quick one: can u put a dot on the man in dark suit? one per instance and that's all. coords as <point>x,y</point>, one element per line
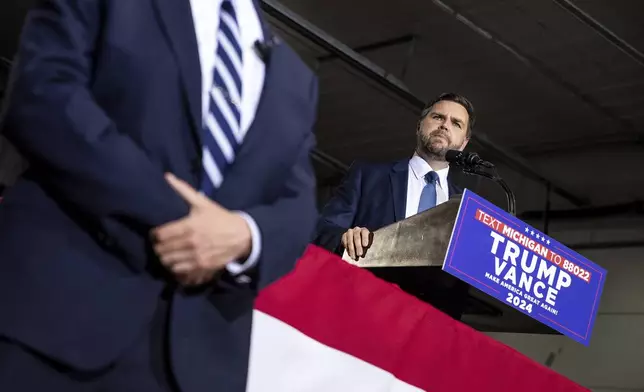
<point>376,195</point>
<point>116,275</point>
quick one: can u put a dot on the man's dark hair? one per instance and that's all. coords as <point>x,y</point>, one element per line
<point>461,100</point>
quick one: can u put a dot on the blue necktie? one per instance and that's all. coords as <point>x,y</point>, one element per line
<point>222,121</point>
<point>428,195</point>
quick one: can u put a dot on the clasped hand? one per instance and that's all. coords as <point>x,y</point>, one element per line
<point>198,246</point>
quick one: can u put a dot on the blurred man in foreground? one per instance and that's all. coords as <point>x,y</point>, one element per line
<point>116,275</point>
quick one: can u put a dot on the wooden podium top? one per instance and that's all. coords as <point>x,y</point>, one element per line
<point>418,241</point>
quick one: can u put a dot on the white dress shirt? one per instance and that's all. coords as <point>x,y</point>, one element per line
<point>418,168</point>
<point>205,15</point>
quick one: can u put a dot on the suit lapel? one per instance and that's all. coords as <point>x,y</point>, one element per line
<point>399,176</point>
<point>176,18</point>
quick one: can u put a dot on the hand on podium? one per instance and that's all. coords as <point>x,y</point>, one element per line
<point>356,241</point>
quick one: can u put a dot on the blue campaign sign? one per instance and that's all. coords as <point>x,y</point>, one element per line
<point>518,265</point>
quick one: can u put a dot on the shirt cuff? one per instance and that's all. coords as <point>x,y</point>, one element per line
<point>235,268</point>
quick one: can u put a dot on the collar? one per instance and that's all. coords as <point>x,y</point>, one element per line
<point>419,167</point>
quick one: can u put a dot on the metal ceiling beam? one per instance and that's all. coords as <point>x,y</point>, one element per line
<point>540,67</point>
<point>313,34</point>
<point>395,87</point>
<point>618,42</point>
<point>403,39</point>
<point>602,30</point>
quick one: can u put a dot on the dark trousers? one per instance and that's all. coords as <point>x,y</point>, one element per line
<point>144,367</point>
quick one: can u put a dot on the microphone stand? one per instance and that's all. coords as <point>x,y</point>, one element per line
<point>478,171</point>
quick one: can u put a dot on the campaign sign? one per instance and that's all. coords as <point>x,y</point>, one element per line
<point>518,265</point>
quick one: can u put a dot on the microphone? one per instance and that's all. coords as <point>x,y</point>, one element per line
<point>468,159</point>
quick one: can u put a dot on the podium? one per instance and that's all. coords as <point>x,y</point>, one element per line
<point>410,253</point>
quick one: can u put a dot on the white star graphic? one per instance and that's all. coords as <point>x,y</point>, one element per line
<point>532,233</point>
<point>543,238</point>
<point>526,230</point>
<point>548,242</point>
<point>538,237</point>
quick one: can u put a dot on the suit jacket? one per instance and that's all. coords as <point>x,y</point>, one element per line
<point>372,196</point>
<point>105,97</point>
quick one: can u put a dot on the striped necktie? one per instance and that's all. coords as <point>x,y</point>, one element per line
<point>222,122</point>
<point>428,195</point>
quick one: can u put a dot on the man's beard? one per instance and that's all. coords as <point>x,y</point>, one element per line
<point>431,146</point>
